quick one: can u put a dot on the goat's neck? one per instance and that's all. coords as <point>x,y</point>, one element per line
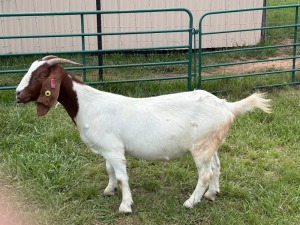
<point>68,96</point>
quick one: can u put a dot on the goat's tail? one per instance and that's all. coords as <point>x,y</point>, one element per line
<point>256,100</point>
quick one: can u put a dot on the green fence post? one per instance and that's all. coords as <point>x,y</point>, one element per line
<point>295,44</point>
<point>200,54</point>
<point>195,33</point>
<point>190,57</point>
<point>83,46</point>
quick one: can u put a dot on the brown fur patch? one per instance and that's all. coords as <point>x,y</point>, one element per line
<point>45,102</point>
<point>120,184</point>
<point>205,148</point>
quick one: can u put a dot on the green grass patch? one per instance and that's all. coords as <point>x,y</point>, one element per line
<point>47,161</point>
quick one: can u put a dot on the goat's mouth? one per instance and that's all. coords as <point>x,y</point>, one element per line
<point>23,100</point>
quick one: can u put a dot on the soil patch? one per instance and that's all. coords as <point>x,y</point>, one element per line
<point>13,209</point>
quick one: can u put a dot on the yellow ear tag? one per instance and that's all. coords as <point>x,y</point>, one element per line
<point>48,93</point>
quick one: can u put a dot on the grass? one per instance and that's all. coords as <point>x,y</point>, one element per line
<point>281,17</point>
<point>46,161</point>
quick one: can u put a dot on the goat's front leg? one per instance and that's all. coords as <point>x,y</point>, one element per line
<point>214,187</point>
<point>118,163</point>
<point>112,186</point>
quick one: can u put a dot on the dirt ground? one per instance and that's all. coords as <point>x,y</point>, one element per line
<point>13,209</point>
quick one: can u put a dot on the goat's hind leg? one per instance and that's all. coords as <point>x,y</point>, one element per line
<point>112,186</point>
<point>205,174</point>
<point>202,155</point>
<point>208,166</point>
<point>214,187</point>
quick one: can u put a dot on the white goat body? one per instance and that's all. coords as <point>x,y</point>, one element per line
<point>155,128</point>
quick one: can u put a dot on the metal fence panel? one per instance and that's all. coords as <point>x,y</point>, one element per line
<point>238,54</point>
<point>83,35</point>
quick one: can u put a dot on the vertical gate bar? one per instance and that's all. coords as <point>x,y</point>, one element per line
<point>195,57</point>
<point>83,46</point>
<point>295,43</point>
<point>200,55</point>
<point>99,39</point>
<point>264,21</point>
<point>190,56</point>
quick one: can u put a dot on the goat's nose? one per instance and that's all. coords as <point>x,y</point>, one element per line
<point>18,93</point>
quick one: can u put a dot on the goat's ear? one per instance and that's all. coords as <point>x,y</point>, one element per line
<point>49,93</point>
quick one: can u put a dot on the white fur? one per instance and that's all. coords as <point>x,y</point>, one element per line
<point>154,128</point>
<point>25,81</point>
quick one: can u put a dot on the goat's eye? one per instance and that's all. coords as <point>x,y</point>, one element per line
<point>41,76</point>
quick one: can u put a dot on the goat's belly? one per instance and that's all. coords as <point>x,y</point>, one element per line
<point>156,154</point>
<point>157,144</point>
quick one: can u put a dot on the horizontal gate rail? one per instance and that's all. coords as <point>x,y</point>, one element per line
<point>250,61</point>
<point>97,51</point>
<point>93,34</point>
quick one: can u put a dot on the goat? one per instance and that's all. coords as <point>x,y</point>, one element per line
<point>153,128</point>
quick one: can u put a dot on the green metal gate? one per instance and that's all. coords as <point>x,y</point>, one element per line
<point>239,54</point>
<point>84,53</point>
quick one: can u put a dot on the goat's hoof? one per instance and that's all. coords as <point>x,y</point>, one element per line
<point>211,195</point>
<point>110,191</point>
<point>125,208</point>
<point>188,204</point>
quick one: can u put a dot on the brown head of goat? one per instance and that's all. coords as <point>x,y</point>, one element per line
<point>42,83</point>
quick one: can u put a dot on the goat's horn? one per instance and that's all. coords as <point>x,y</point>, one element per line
<point>49,57</point>
<point>54,61</point>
